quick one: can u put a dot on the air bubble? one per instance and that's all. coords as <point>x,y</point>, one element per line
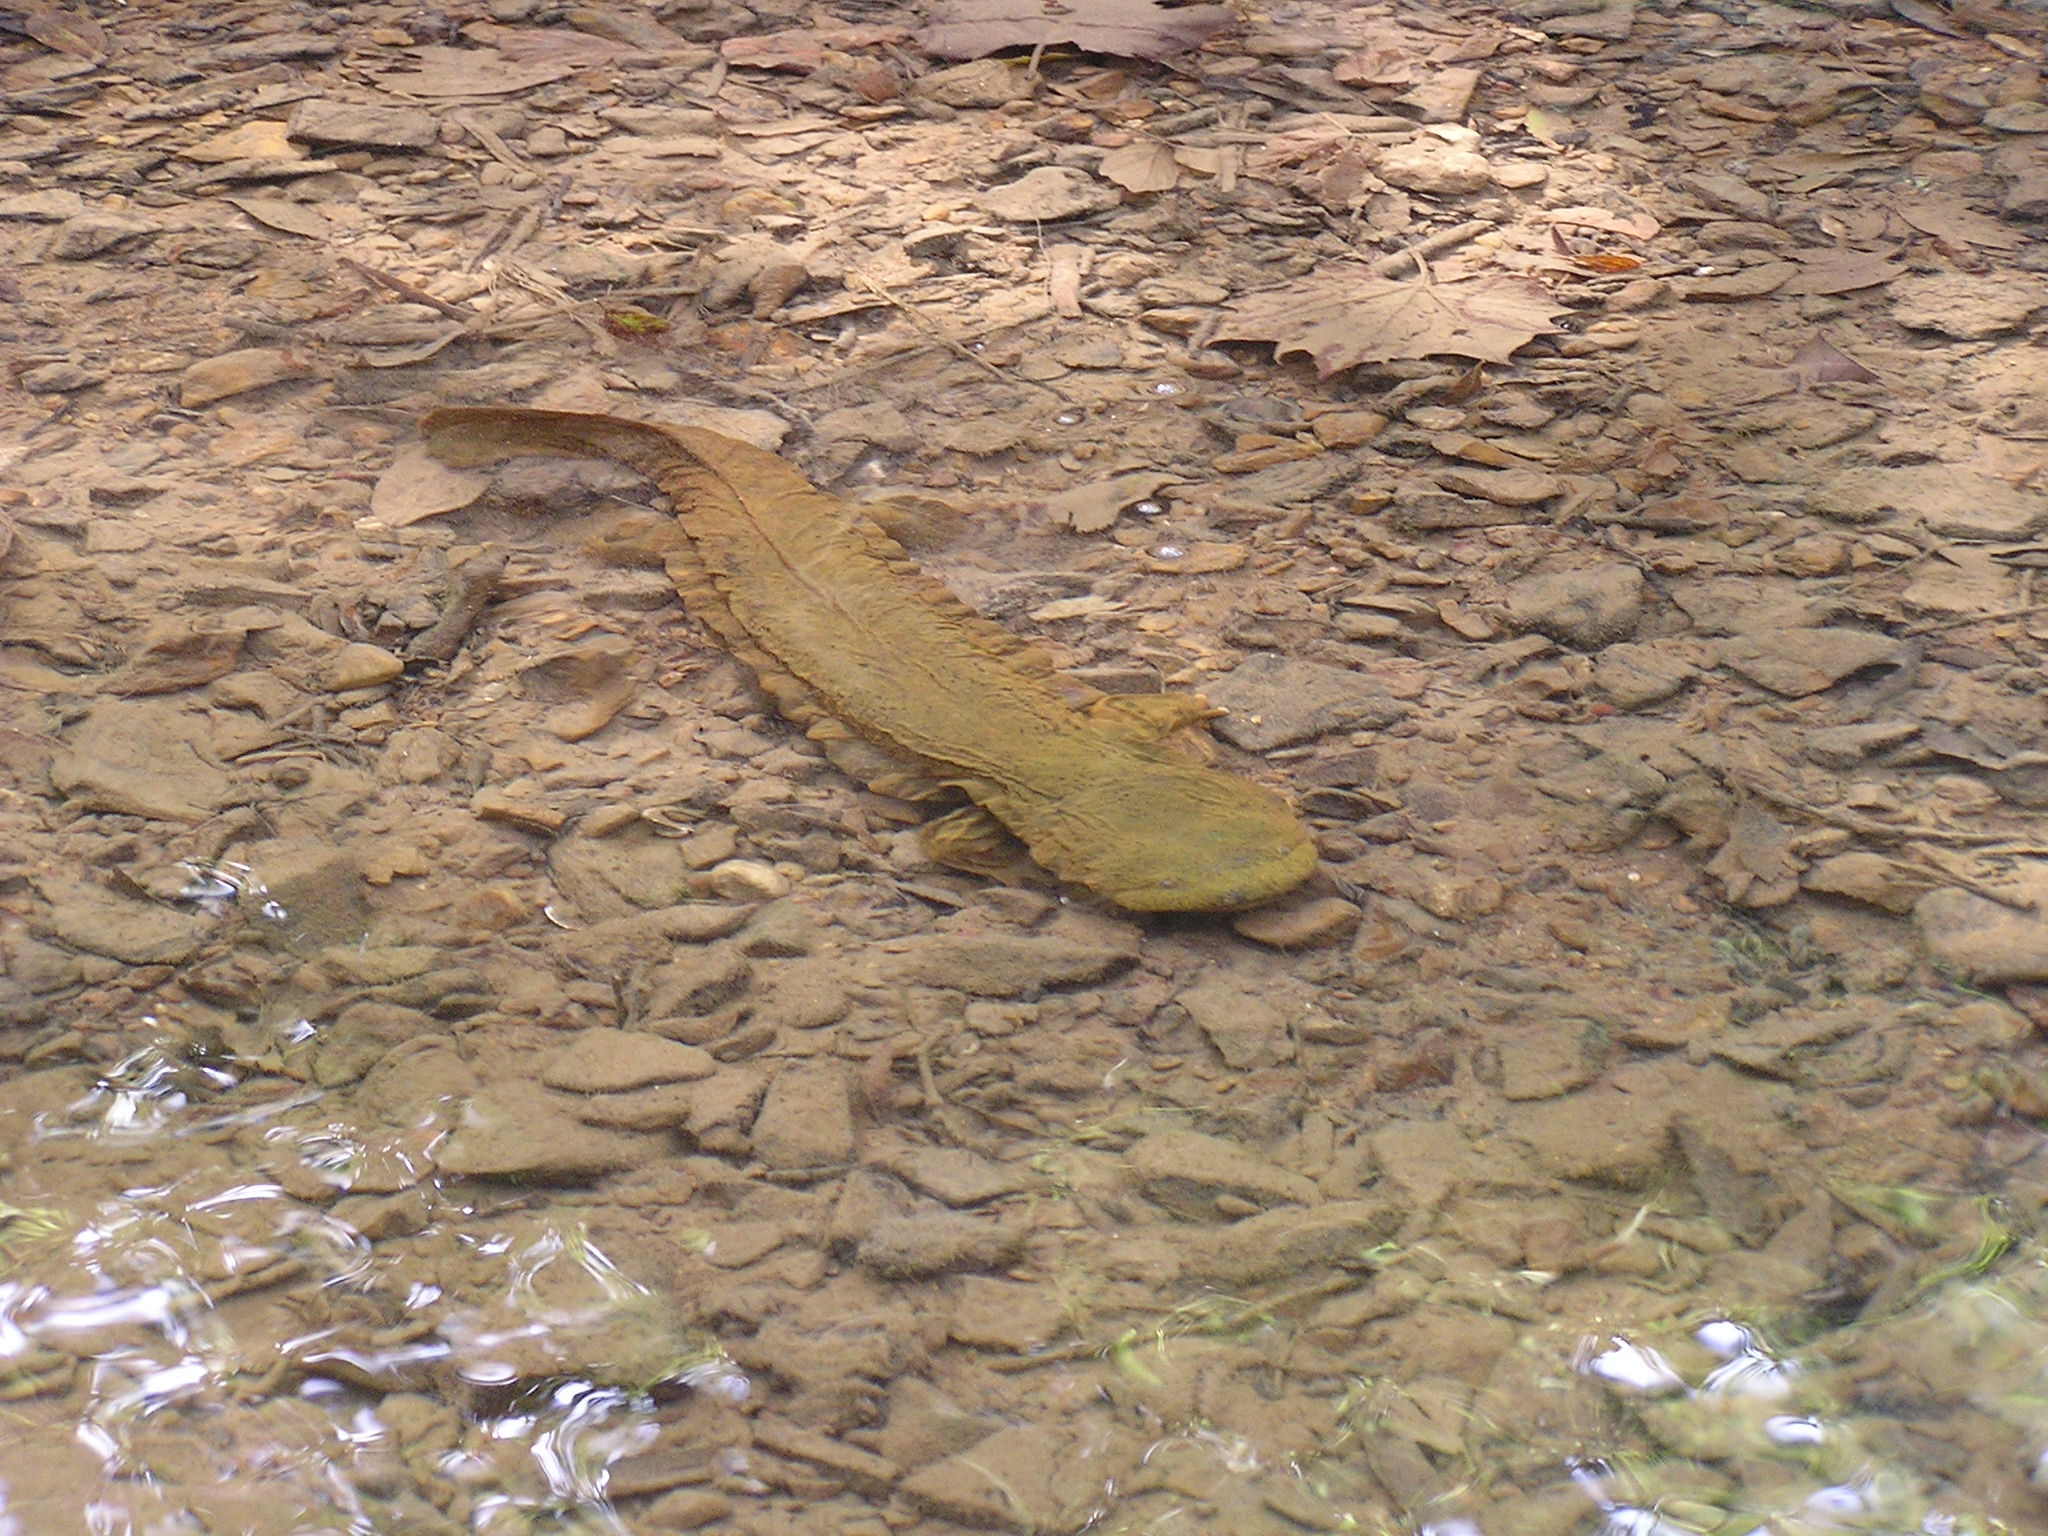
<point>1068,418</point>
<point>1149,508</point>
<point>1168,387</point>
<point>1168,552</point>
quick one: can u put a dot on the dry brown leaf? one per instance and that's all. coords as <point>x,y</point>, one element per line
<point>1635,226</point>
<point>1347,316</point>
<point>1143,166</point>
<point>1823,363</point>
<point>1137,29</point>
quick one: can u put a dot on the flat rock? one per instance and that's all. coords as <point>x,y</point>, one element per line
<point>1291,1241</point>
<point>1978,938</point>
<point>927,1243</point>
<point>1186,1170</point>
<point>321,121</point>
<point>519,1131</point>
<point>615,1060</point>
<point>141,758</point>
<point>236,373</point>
<point>1429,164</point>
<point>1587,608</point>
<point>1637,676</point>
<point>97,234</point>
<point>1507,487</point>
<point>1246,1025</point>
<point>1006,964</point>
<point>1967,306</point>
<point>953,1175</point>
<point>105,922</point>
<point>1277,701</point>
<point>806,1119</point>
<point>1028,1479</point>
<point>604,950</point>
<point>1300,924</point>
<point>1050,193</point>
<point>1944,498</point>
<point>1798,662</point>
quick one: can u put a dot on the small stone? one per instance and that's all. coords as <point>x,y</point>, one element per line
<point>1347,429</point>
<point>1981,939</point>
<point>1505,487</point>
<point>1429,164</point>
<point>1637,676</point>
<point>1277,701</point>
<point>1299,925</point>
<point>1799,662</point>
<point>518,1131</point>
<point>516,811</point>
<point>1870,878</point>
<point>687,1509</point>
<point>1546,1062</point>
<point>1587,608</point>
<point>928,1243</point>
<point>1186,1170</point>
<point>236,373</point>
<point>747,880</point>
<point>1816,554</point>
<point>97,234</point>
<point>1967,306</point>
<point>2018,117</point>
<point>1006,965</point>
<point>806,1120</point>
<point>58,379</point>
<point>360,665</point>
<point>320,121</point>
<point>1050,193</point>
<point>106,922</point>
<point>615,1060</point>
<point>1247,1028</point>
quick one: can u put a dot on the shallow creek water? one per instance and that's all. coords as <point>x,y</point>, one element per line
<point>466,1066</point>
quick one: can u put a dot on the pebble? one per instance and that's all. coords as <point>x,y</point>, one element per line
<point>806,1120</point>
<point>1300,925</point>
<point>1978,938</point>
<point>320,121</point>
<point>1586,608</point>
<point>96,234</point>
<point>515,1130</point>
<point>1277,701</point>
<point>615,1060</point>
<point>747,880</point>
<point>361,665</point>
<point>1048,193</point>
<point>1005,965</point>
<point>1186,1171</point>
<point>236,373</point>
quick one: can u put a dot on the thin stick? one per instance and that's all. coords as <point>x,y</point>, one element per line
<point>1422,250</point>
<point>413,291</point>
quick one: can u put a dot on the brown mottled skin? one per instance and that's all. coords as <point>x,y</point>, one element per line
<point>915,695</point>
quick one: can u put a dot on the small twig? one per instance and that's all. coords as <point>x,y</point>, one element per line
<point>938,333</point>
<point>413,291</point>
<point>1420,252</point>
<point>471,586</point>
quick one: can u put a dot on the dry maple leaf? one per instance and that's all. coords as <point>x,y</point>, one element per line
<point>1347,316</point>
<point>1137,29</point>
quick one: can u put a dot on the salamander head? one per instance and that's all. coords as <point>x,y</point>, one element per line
<point>1177,838</point>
